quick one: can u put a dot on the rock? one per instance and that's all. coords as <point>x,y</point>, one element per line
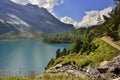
<point>107,70</point>
<point>91,71</point>
<point>54,69</point>
<point>117,78</point>
<point>104,63</point>
<point>111,69</point>
<point>116,71</point>
<point>58,66</point>
<point>76,73</point>
<point>102,69</point>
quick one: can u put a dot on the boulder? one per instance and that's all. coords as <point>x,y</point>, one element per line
<point>104,63</point>
<point>102,69</point>
<point>117,78</point>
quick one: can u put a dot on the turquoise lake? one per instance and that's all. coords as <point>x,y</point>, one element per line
<point>26,55</point>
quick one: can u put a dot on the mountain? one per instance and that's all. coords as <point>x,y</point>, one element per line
<point>28,19</point>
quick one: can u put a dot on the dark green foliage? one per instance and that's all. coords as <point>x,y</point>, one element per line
<point>58,53</point>
<point>119,31</point>
<point>117,1</point>
<point>64,52</point>
<point>111,25</point>
<point>89,36</point>
<point>66,37</point>
<point>105,18</point>
<point>50,63</point>
<point>77,45</point>
<point>68,52</point>
<point>83,44</point>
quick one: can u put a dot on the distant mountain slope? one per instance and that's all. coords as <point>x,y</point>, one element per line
<point>66,37</point>
<point>30,17</point>
<point>5,28</point>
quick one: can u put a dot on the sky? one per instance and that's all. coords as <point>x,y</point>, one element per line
<point>76,8</point>
<point>80,13</point>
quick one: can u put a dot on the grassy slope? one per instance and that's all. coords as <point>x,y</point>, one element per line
<point>118,42</point>
<point>103,52</point>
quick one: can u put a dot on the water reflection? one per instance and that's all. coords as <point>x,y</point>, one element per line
<point>26,55</point>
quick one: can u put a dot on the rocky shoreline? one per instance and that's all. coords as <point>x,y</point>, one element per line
<point>107,70</point>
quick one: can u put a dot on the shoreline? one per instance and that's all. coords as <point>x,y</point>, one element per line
<point>35,39</point>
<point>18,39</point>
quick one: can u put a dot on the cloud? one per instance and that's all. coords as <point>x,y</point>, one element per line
<point>48,4</point>
<point>91,18</point>
<point>67,20</point>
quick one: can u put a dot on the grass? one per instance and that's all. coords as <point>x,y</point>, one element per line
<point>45,77</point>
<point>31,75</point>
<point>48,77</point>
<point>104,52</point>
<point>14,78</point>
<point>118,42</point>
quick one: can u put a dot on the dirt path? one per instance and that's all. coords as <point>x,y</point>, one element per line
<point>110,42</point>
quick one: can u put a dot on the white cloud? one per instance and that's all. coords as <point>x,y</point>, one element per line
<point>48,4</point>
<point>67,20</point>
<point>91,18</point>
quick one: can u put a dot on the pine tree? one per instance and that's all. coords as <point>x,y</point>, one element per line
<point>117,2</point>
<point>58,53</point>
<point>64,52</point>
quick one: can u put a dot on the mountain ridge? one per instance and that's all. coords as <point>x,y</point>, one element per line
<point>30,18</point>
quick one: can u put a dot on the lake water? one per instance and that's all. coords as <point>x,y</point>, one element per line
<point>26,55</point>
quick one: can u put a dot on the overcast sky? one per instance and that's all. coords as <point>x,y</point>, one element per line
<point>76,12</point>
